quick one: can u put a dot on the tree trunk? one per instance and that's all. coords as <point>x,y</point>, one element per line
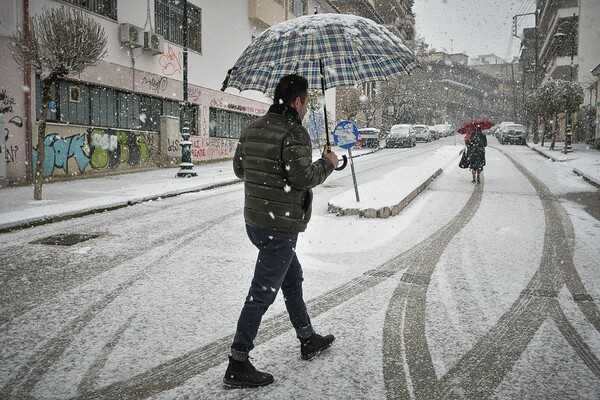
<point>544,131</point>
<point>554,132</point>
<point>38,177</point>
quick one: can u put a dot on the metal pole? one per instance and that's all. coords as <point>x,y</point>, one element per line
<point>187,167</point>
<point>353,175</point>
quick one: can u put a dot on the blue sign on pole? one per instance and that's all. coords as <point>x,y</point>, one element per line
<point>345,134</point>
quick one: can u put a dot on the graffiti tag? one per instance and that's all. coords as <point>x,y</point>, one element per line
<point>157,85</point>
<point>6,102</point>
<point>170,62</point>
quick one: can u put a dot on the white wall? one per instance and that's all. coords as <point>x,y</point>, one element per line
<point>589,41</point>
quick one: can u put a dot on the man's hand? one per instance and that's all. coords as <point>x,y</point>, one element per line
<point>331,156</point>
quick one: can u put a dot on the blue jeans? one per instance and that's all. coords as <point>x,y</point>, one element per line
<point>276,267</point>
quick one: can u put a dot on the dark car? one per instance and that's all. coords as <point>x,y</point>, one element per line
<point>369,137</point>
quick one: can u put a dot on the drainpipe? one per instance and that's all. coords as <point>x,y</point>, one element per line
<point>27,82</point>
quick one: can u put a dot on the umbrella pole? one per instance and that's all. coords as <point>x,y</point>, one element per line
<point>327,141</point>
<point>324,105</point>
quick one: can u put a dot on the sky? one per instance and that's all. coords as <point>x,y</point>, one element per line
<point>473,27</point>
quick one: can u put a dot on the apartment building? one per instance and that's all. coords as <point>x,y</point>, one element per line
<point>124,114</point>
<point>564,45</point>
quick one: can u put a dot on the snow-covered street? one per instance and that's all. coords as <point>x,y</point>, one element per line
<point>476,291</point>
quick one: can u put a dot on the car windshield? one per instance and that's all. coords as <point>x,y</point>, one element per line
<point>400,129</point>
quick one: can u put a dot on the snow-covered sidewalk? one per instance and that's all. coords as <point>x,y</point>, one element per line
<point>83,196</point>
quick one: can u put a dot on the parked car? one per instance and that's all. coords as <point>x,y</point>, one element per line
<point>401,135</point>
<point>498,131</point>
<point>369,137</point>
<point>443,129</point>
<point>422,133</point>
<point>435,135</point>
<point>514,133</point>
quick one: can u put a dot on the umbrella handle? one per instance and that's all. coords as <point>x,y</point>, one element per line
<point>344,159</point>
<point>344,162</point>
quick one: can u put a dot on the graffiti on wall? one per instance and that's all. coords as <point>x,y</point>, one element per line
<point>170,62</point>
<point>194,94</point>
<point>224,104</point>
<point>212,148</point>
<point>12,150</point>
<point>99,148</point>
<point>155,84</point>
<point>13,124</point>
<point>6,102</point>
<point>59,151</point>
<point>110,148</point>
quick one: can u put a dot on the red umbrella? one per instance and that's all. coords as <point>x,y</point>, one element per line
<point>469,126</point>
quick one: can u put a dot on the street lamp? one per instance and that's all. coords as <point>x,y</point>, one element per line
<point>187,167</point>
<point>560,36</point>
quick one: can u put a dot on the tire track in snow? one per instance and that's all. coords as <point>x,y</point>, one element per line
<point>28,375</point>
<point>478,373</point>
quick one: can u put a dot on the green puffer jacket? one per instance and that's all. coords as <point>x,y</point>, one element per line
<point>274,158</point>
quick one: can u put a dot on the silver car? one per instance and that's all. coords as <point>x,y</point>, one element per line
<point>422,133</point>
<point>402,135</point>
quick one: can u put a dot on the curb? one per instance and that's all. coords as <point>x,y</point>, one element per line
<point>386,211</point>
<point>546,155</point>
<point>578,172</point>
<point>29,223</point>
<point>586,178</point>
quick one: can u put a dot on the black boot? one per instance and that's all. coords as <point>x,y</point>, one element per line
<point>311,346</point>
<point>242,374</point>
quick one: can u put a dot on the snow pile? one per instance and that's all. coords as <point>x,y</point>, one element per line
<point>398,184</point>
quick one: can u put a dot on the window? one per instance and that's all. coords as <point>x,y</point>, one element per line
<point>228,124</point>
<point>298,7</point>
<point>168,17</point>
<point>109,108</point>
<point>107,8</point>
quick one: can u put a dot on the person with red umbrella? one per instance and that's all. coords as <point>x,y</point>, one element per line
<point>476,142</point>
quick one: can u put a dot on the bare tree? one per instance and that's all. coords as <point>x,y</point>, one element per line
<point>60,41</point>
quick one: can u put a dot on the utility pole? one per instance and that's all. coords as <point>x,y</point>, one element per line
<point>187,167</point>
<point>536,57</point>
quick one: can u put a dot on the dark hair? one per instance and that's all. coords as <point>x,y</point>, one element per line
<point>290,87</point>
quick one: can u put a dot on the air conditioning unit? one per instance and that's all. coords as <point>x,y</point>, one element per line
<point>131,35</point>
<point>154,43</point>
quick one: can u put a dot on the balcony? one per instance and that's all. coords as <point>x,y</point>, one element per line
<point>266,12</point>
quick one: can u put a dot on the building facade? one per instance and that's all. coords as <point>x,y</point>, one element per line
<point>563,45</point>
<point>124,114</point>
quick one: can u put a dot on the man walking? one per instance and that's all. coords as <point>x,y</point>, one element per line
<point>274,158</point>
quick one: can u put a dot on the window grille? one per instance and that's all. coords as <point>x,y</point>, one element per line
<point>110,108</point>
<point>228,124</point>
<point>107,8</point>
<point>168,17</point>
<point>298,7</point>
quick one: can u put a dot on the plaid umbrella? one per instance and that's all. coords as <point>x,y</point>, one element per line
<point>329,50</point>
<point>352,50</point>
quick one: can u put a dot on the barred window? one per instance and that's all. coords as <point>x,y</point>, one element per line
<point>168,17</point>
<point>90,105</point>
<point>228,124</point>
<point>298,7</point>
<point>107,8</point>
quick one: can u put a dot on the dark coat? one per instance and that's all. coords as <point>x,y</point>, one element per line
<point>274,158</point>
<point>476,151</point>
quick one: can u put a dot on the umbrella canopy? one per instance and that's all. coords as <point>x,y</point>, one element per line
<point>352,50</point>
<point>469,126</point>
